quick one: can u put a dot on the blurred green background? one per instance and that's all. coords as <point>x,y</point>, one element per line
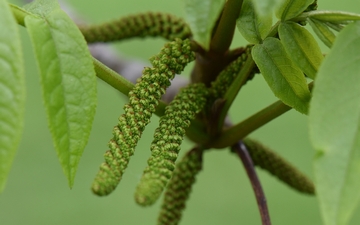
<point>37,191</point>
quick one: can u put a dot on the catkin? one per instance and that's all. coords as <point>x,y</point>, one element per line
<point>139,25</point>
<point>143,99</point>
<point>167,140</point>
<point>279,167</point>
<point>179,188</point>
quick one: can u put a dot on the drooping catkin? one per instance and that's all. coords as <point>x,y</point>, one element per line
<point>140,25</point>
<point>279,167</point>
<point>143,99</point>
<point>179,188</point>
<point>167,140</point>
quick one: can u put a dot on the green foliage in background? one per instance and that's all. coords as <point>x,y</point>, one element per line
<point>323,86</point>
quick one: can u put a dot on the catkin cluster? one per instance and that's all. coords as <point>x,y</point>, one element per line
<point>179,188</point>
<point>139,25</point>
<point>167,140</point>
<point>143,99</point>
<point>279,167</point>
<point>227,76</point>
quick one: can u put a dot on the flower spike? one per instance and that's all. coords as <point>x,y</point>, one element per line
<point>167,140</point>
<point>143,99</point>
<point>179,188</point>
<point>139,25</point>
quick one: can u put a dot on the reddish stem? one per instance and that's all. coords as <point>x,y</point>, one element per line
<point>243,153</point>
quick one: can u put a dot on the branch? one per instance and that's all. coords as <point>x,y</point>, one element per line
<point>242,129</point>
<point>223,36</point>
<point>209,64</point>
<point>243,153</point>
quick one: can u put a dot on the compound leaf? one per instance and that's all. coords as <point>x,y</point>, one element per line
<point>265,7</point>
<point>285,79</point>
<point>201,16</point>
<point>322,31</point>
<point>301,46</point>
<point>333,16</point>
<point>12,91</point>
<point>289,9</point>
<point>334,122</point>
<point>68,81</point>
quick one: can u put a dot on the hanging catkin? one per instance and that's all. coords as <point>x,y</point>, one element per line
<point>143,99</point>
<point>167,140</point>
<point>279,167</point>
<point>179,188</point>
<point>139,25</point>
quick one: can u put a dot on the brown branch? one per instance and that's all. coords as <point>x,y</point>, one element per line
<point>243,153</point>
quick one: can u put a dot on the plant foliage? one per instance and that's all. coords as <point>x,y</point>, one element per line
<point>12,91</point>
<point>285,53</point>
<point>68,80</point>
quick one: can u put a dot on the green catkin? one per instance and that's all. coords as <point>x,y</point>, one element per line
<point>139,25</point>
<point>227,76</point>
<point>167,140</point>
<point>143,99</point>
<point>179,188</point>
<point>279,167</point>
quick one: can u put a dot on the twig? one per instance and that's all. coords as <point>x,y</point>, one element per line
<point>243,153</point>
<point>239,131</point>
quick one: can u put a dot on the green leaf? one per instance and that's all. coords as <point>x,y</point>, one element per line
<point>201,16</point>
<point>42,7</point>
<point>252,25</point>
<point>322,31</point>
<point>334,121</point>
<point>265,7</point>
<point>12,91</point>
<point>301,46</point>
<point>289,9</point>
<point>284,78</point>
<point>332,16</point>
<point>335,26</point>
<point>68,82</point>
